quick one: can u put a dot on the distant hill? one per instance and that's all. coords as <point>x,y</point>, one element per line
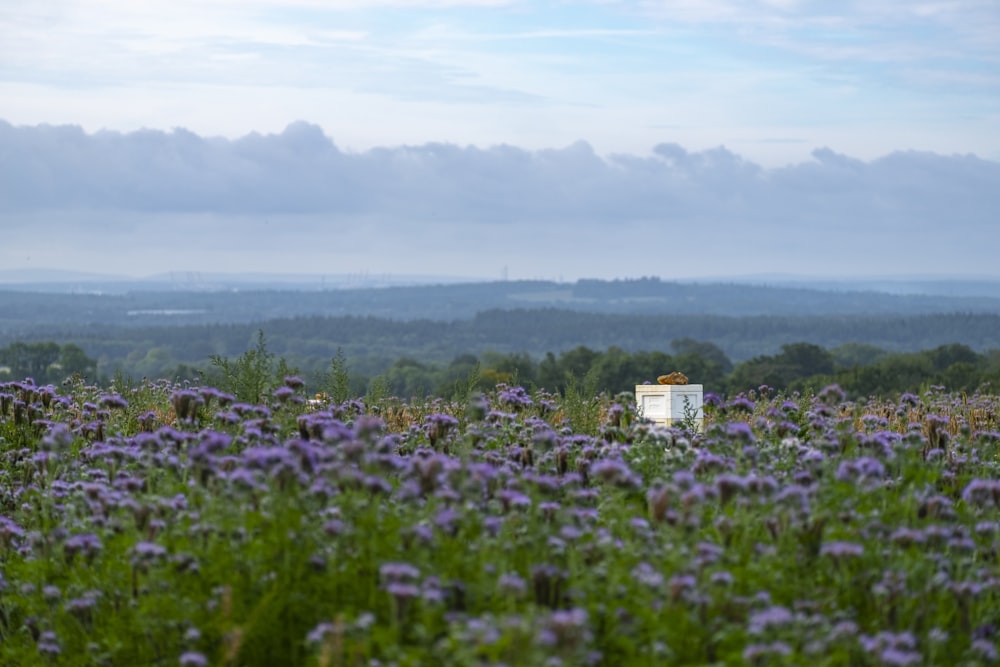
<point>23,310</point>
<point>75,282</point>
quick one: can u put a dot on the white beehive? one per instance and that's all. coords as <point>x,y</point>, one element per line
<point>665,404</point>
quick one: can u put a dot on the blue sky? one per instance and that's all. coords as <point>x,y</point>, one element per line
<point>770,79</point>
<point>733,136</point>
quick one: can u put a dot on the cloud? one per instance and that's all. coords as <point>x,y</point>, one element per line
<point>302,171</point>
<point>153,200</point>
<point>868,77</point>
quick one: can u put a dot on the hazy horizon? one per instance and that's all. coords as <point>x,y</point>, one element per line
<point>500,138</point>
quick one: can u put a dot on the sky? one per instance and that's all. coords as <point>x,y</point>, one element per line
<point>494,138</point>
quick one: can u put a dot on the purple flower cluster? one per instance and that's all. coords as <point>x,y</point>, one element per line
<point>798,530</point>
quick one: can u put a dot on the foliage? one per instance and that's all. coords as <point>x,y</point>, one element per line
<point>791,530</point>
<point>582,403</point>
<point>372,344</point>
<point>861,370</point>
<point>45,362</point>
<point>378,390</point>
<point>338,381</point>
<point>250,376</point>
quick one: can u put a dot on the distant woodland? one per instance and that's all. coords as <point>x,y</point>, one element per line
<point>424,340</point>
<point>861,369</point>
<point>23,311</point>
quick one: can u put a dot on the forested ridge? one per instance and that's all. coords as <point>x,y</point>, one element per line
<point>547,347</point>
<point>534,331</point>
<point>24,311</point>
<point>424,337</point>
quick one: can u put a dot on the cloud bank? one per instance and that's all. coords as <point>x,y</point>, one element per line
<point>902,212</point>
<point>301,171</point>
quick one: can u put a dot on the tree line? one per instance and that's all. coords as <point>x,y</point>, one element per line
<point>373,344</point>
<point>860,369</point>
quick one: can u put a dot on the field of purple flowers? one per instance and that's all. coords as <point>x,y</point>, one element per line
<point>175,525</point>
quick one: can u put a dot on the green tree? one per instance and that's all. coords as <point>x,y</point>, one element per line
<point>455,377</point>
<point>961,376</point>
<point>409,378</point>
<point>850,355</point>
<point>30,360</point>
<point>551,376</point>
<point>74,361</point>
<point>519,367</point>
<point>250,376</point>
<point>946,355</point>
<point>710,353</point>
<point>156,362</point>
<point>805,360</point>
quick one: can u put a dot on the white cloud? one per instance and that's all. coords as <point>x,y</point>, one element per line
<point>868,77</point>
<point>301,170</point>
<point>295,200</point>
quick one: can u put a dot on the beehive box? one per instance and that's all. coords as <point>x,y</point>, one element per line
<point>665,404</point>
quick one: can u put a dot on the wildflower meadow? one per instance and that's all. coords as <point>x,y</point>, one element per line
<point>174,524</point>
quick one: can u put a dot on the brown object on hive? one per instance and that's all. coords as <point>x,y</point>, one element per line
<point>674,378</point>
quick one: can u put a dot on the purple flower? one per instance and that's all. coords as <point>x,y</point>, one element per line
<point>894,657</point>
<point>185,403</point>
<point>722,578</point>
<point>761,485</point>
<point>51,593</point>
<point>318,634</point>
<point>842,550</point>
<point>680,585</point>
<point>294,382</point>
<point>513,397</point>
<point>437,426</point>
<point>85,544</point>
<point>613,471</point>
<point>863,469</point>
<point>740,431</point>
<point>741,404</point>
<point>615,414</point>
<point>48,644</point>
<point>193,659</point>
<point>647,575</point>
<point>402,591</point>
<point>113,401</point>
<point>982,493</point>
<point>9,531</point>
<point>905,537</point>
<point>902,641</point>
<point>447,519</point>
<point>832,395</point>
<point>565,629</point>
<point>774,616</point>
<point>984,649</point>
<point>283,394</point>
<point>512,584</point>
<point>514,499</point>
<point>729,485</point>
<point>786,429</point>
<point>756,653</point>
<point>58,439</point>
<point>711,400</point>
<point>390,572</point>
<point>82,606</point>
<point>147,552</point>
<point>788,407</point>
